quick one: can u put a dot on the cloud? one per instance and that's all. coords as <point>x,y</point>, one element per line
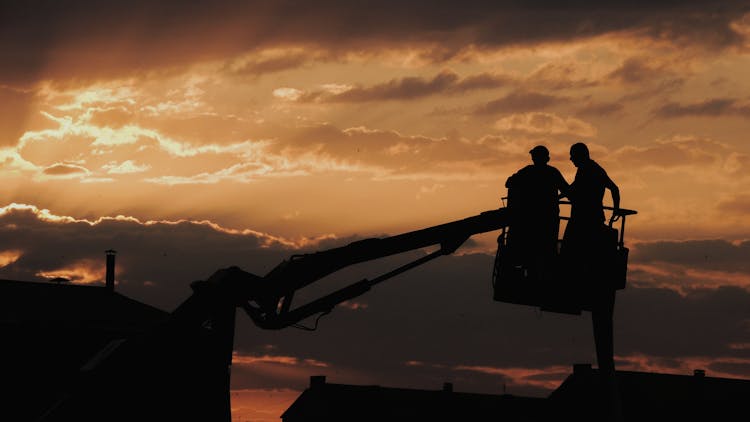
<point>717,254</point>
<point>519,102</point>
<point>126,167</point>
<point>429,190</point>
<point>739,204</point>
<point>684,279</point>
<point>9,256</point>
<point>389,154</point>
<point>65,170</point>
<point>156,259</point>
<point>11,161</point>
<point>639,70</point>
<point>690,265</point>
<point>45,41</point>
<point>705,323</point>
<point>298,151</point>
<point>105,98</point>
<point>409,88</point>
<point>545,123</point>
<point>240,359</point>
<point>601,109</point>
<point>715,107</point>
<point>242,172</point>
<point>723,367</point>
<point>558,76</point>
<point>406,88</point>
<point>738,163</point>
<point>547,378</point>
<point>642,77</point>
<point>482,81</point>
<point>658,88</point>
<point>93,138</point>
<point>272,61</point>
<point>80,271</point>
<point>291,94</point>
<point>664,154</point>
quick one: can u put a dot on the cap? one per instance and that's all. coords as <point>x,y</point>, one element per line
<point>539,150</point>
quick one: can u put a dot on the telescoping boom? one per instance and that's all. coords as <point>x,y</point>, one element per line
<point>271,303</point>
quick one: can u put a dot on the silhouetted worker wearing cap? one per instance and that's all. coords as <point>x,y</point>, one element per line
<point>533,194</point>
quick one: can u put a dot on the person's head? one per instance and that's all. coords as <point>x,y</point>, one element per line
<point>539,155</point>
<point>579,154</point>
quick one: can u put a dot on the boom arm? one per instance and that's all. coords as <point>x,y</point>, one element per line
<point>268,300</point>
<point>270,306</point>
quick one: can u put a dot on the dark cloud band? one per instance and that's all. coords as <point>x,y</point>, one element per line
<point>86,38</point>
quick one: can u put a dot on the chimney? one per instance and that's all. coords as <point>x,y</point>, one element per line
<point>110,277</point>
<point>448,387</point>
<point>699,373</point>
<point>317,381</point>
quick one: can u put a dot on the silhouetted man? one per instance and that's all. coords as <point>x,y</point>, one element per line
<point>584,230</point>
<point>585,248</point>
<point>533,194</point>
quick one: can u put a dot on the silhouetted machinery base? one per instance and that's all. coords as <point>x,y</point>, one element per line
<point>564,284</point>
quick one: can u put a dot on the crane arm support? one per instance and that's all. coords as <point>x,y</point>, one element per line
<point>326,303</point>
<point>268,300</point>
<point>301,270</point>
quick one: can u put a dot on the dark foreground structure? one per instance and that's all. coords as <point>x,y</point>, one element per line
<point>645,397</point>
<point>112,358</point>
<point>87,353</point>
<point>648,396</point>
<point>55,334</point>
<point>340,402</point>
<point>51,331</point>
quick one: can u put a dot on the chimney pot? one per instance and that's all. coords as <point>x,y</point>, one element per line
<point>448,387</point>
<point>110,275</point>
<point>317,381</point>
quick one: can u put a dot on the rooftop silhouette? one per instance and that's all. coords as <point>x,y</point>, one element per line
<point>51,330</point>
<point>646,396</point>
<point>341,402</point>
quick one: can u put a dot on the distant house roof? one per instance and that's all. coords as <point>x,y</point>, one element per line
<point>70,305</point>
<point>582,396</point>
<point>654,396</point>
<point>339,402</point>
<point>51,330</point>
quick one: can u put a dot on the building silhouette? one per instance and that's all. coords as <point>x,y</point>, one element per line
<point>52,330</point>
<point>88,353</point>
<point>649,396</point>
<point>645,396</point>
<point>324,401</point>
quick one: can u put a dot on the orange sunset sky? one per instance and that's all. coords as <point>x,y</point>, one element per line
<point>190,136</point>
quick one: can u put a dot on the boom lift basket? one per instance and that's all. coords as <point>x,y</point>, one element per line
<point>563,284</point>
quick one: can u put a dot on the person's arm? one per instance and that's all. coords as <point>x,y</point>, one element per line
<point>562,185</point>
<point>615,198</point>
